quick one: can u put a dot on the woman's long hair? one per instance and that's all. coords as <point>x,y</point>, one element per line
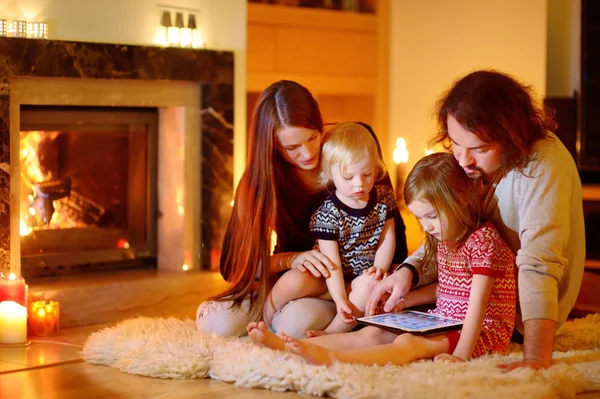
<point>497,108</point>
<point>256,209</point>
<point>439,180</point>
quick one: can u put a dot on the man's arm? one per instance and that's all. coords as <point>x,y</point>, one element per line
<point>537,346</point>
<point>542,197</point>
<point>426,275</point>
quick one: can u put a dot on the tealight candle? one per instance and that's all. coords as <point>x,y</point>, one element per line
<point>43,318</point>
<point>13,323</point>
<point>13,288</point>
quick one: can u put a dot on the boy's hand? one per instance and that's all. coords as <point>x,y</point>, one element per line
<point>344,310</point>
<point>378,272</point>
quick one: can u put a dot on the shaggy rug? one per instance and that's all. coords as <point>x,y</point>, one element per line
<point>171,348</point>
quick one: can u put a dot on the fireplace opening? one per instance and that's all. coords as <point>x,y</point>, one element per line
<point>88,198</point>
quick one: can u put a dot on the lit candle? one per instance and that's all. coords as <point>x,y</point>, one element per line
<point>13,288</point>
<point>400,158</point>
<point>13,323</point>
<point>43,318</point>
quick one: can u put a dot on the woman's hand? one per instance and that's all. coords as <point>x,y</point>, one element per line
<point>314,262</point>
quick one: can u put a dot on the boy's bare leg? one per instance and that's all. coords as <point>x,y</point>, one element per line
<point>261,336</point>
<point>405,349</point>
<point>359,292</point>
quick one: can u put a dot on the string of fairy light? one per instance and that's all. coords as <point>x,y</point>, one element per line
<point>20,28</point>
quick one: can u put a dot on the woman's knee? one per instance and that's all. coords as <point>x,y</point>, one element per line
<point>298,316</point>
<point>223,318</point>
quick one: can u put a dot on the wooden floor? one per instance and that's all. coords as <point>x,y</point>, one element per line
<point>52,368</point>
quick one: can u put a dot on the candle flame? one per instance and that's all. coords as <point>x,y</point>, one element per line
<point>400,152</point>
<point>12,276</point>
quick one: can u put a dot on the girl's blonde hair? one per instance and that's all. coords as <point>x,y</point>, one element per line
<point>347,143</point>
<point>439,180</point>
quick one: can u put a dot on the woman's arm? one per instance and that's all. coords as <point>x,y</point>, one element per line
<point>387,245</point>
<point>481,289</point>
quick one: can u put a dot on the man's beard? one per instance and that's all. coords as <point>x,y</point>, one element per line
<point>475,173</point>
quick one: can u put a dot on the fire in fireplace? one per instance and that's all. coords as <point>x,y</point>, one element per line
<point>87,189</point>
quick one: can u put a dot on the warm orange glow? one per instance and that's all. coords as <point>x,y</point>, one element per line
<point>31,174</point>
<point>43,318</point>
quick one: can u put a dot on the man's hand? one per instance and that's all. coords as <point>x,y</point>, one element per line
<point>537,346</point>
<point>531,363</point>
<point>396,285</point>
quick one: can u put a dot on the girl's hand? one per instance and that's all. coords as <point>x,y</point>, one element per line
<point>446,357</point>
<point>344,311</point>
<point>378,272</point>
<point>314,262</point>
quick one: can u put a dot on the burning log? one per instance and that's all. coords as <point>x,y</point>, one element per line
<point>46,192</point>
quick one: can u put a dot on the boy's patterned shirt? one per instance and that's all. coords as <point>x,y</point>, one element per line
<point>357,231</point>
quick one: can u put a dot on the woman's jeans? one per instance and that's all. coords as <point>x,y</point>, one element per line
<point>294,319</point>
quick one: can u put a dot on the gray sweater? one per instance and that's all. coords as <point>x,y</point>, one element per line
<point>539,213</point>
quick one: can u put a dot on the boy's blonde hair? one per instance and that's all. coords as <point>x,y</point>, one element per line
<point>347,143</point>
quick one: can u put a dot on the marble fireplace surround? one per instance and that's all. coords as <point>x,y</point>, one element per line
<point>193,92</point>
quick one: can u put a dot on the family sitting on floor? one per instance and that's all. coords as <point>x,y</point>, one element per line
<point>504,207</point>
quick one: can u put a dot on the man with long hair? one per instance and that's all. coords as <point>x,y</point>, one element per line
<point>532,194</point>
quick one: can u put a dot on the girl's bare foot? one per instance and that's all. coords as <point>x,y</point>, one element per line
<point>314,333</point>
<point>313,354</point>
<point>261,336</point>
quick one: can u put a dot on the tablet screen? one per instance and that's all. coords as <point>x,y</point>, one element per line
<point>412,321</point>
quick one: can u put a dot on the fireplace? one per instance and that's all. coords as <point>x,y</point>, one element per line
<point>190,94</point>
<point>87,188</point>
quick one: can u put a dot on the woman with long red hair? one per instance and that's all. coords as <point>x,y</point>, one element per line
<point>278,193</point>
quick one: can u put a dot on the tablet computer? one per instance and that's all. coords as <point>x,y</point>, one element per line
<point>412,321</point>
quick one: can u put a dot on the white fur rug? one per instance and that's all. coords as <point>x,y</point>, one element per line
<point>171,348</point>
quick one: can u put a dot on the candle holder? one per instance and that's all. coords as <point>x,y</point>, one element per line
<point>13,288</point>
<point>44,318</point>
